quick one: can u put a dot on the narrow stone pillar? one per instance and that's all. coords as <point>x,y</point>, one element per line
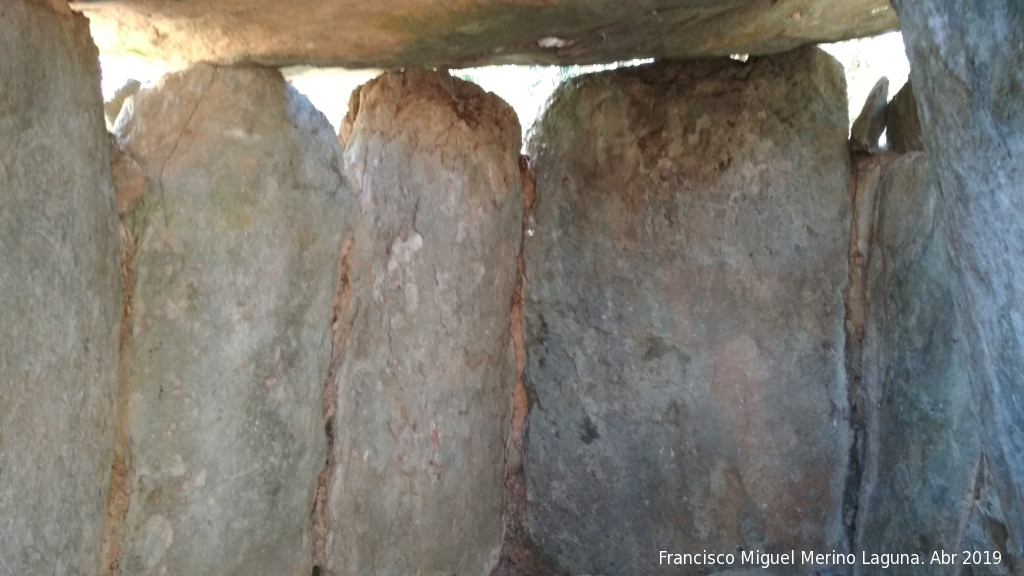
<point>59,293</point>
<point>233,249</point>
<point>424,379</point>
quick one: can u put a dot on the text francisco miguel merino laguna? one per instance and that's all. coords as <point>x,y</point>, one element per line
<point>767,560</point>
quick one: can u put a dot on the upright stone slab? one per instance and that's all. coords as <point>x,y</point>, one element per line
<point>925,475</point>
<point>59,293</point>
<point>424,380</point>
<point>235,268</point>
<point>969,85</point>
<point>683,311</point>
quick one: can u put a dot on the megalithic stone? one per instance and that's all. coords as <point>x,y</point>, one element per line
<point>969,87</point>
<point>924,435</point>
<point>236,243</point>
<point>59,293</point>
<point>424,381</point>
<point>683,313</point>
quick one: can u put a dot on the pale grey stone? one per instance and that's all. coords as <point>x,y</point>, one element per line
<point>60,294</point>
<point>234,272</point>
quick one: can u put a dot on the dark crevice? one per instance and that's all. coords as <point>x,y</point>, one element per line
<point>129,184</point>
<point>518,554</point>
<point>341,318</point>
<point>867,171</point>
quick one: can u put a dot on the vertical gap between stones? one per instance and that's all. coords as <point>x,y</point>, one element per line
<point>517,553</point>
<point>341,317</point>
<point>864,183</point>
<point>129,184</point>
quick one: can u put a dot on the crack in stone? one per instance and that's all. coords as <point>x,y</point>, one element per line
<point>866,177</point>
<point>119,488</point>
<point>181,133</point>
<point>341,325</point>
<point>518,555</point>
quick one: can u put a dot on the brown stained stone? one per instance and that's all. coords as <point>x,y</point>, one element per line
<point>425,378</point>
<point>683,313</point>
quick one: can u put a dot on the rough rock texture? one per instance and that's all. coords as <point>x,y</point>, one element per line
<point>397,33</point>
<point>519,556</point>
<point>683,311</point>
<point>866,175</point>
<point>425,374</point>
<point>59,294</point>
<point>236,243</point>
<point>867,128</point>
<point>924,472</point>
<point>903,127</point>
<point>965,66</point>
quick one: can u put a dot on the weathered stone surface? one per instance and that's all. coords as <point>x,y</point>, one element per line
<point>867,128</point>
<point>59,294</point>
<point>426,369</point>
<point>965,66</point>
<point>397,33</point>
<point>923,475</point>
<point>866,176</point>
<point>683,311</point>
<point>902,126</point>
<point>235,267</point>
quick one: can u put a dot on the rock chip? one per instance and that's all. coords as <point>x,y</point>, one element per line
<point>235,266</point>
<point>965,66</point>
<point>870,123</point>
<point>112,107</point>
<point>60,293</point>
<point>903,127</point>
<point>425,374</point>
<point>683,312</point>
